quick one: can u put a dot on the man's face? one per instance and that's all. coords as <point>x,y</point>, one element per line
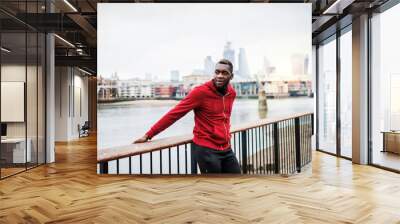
<point>222,75</point>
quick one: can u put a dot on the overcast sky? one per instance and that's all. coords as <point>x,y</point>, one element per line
<point>134,39</point>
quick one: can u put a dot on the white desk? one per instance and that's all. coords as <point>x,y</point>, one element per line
<point>18,149</point>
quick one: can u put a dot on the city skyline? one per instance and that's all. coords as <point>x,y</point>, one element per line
<point>299,66</point>
<point>161,44</point>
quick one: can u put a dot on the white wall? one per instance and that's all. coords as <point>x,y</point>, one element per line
<point>71,102</point>
<point>62,81</point>
<point>80,108</point>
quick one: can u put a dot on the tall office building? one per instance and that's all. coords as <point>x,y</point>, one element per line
<point>197,71</point>
<point>306,65</point>
<point>243,71</point>
<point>268,69</point>
<point>298,64</point>
<point>229,53</point>
<point>266,66</point>
<point>209,65</point>
<point>148,76</point>
<point>114,76</point>
<point>175,76</point>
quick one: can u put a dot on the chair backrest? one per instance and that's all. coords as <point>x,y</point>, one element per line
<point>86,125</point>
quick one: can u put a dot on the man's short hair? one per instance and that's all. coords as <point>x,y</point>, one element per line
<point>226,62</point>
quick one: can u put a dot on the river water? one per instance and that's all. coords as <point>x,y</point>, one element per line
<point>119,124</point>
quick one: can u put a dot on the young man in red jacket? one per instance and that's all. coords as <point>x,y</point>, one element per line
<point>212,105</point>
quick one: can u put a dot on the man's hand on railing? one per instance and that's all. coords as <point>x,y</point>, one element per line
<point>145,138</point>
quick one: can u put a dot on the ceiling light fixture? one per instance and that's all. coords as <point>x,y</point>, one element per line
<point>64,40</point>
<point>5,50</point>
<point>79,51</point>
<point>337,7</point>
<point>70,5</point>
<point>84,71</point>
<point>329,9</point>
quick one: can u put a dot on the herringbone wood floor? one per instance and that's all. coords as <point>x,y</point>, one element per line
<point>69,191</point>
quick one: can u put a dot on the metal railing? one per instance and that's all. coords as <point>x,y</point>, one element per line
<point>267,147</point>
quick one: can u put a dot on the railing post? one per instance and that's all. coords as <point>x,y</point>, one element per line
<point>297,139</point>
<point>276,148</point>
<point>312,124</point>
<point>193,159</point>
<point>103,167</point>
<point>244,152</point>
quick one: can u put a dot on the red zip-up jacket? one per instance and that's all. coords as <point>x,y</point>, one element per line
<point>212,112</point>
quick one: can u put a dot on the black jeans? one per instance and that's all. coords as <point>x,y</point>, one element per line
<point>216,161</point>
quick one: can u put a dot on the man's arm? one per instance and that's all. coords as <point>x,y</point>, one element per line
<point>191,101</point>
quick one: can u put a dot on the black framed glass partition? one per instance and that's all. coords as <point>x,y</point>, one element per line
<point>14,153</point>
<point>381,72</point>
<point>385,89</point>
<point>22,78</point>
<point>334,96</point>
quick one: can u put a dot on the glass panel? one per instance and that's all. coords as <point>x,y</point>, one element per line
<point>14,153</point>
<point>346,94</point>
<point>386,89</point>
<point>41,98</point>
<point>31,100</point>
<point>32,86</point>
<point>327,97</point>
